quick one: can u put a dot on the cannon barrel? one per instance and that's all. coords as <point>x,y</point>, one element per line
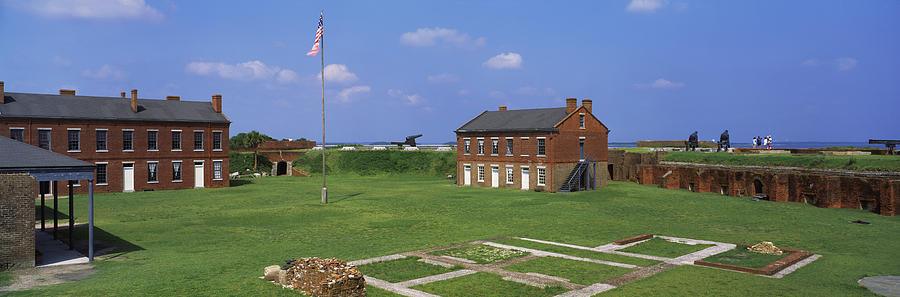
<point>413,136</point>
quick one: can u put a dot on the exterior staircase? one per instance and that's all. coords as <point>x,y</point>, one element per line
<point>573,181</point>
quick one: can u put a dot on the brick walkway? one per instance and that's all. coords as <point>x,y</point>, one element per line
<point>541,280</point>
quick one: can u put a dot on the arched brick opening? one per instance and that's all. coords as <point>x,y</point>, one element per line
<point>758,187</point>
<point>282,168</point>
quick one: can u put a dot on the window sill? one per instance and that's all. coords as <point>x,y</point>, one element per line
<point>177,181</point>
<point>494,155</point>
<point>481,181</point>
<point>149,150</point>
<point>198,150</point>
<point>217,150</point>
<point>540,156</point>
<point>104,184</point>
<point>74,151</point>
<point>509,155</point>
<point>465,154</point>
<point>509,183</point>
<point>218,179</point>
<point>176,150</point>
<point>541,185</point>
<point>582,128</point>
<point>102,151</point>
<point>127,151</point>
<point>152,182</point>
<point>523,155</point>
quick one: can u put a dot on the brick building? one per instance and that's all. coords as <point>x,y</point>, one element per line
<point>136,144</point>
<point>547,149</point>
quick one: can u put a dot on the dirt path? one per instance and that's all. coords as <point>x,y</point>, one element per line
<point>45,276</point>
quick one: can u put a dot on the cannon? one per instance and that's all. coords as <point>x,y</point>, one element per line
<point>724,142</point>
<point>692,143</point>
<point>890,144</point>
<point>410,141</point>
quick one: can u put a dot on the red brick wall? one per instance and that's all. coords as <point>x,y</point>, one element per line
<point>115,156</point>
<point>16,221</point>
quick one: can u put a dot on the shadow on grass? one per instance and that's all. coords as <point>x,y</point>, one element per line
<point>240,182</point>
<point>105,243</point>
<point>49,211</point>
<point>344,197</point>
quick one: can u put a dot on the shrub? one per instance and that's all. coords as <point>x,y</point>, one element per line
<point>379,162</point>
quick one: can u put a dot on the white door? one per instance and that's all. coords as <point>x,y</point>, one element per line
<point>467,174</point>
<point>198,174</point>
<point>128,177</point>
<point>524,178</point>
<point>495,176</point>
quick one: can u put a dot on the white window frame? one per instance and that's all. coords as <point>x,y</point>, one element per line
<point>495,145</point>
<point>581,120</point>
<point>180,141</point>
<point>221,141</point>
<point>480,173</point>
<point>17,128</point>
<point>157,140</point>
<point>467,146</point>
<point>509,148</point>
<point>157,172</point>
<point>538,153</point>
<point>479,146</point>
<point>541,175</point>
<point>107,173</point>
<point>67,140</point>
<point>106,141</point>
<point>194,140</point>
<point>510,174</point>
<point>123,140</point>
<point>173,171</point>
<point>221,170</point>
<point>49,138</point>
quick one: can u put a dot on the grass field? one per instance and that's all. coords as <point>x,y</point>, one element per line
<point>815,161</point>
<point>740,256</point>
<point>212,242</point>
<point>481,254</point>
<point>576,252</point>
<point>405,269</point>
<point>663,248</point>
<point>483,284</point>
<point>579,272</point>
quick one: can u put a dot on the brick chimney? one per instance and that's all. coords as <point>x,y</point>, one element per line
<point>173,98</point>
<point>571,104</point>
<point>587,103</point>
<point>134,101</point>
<point>123,95</point>
<point>67,92</point>
<point>502,107</point>
<point>2,96</point>
<point>217,103</point>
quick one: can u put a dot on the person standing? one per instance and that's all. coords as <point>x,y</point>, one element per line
<point>754,142</point>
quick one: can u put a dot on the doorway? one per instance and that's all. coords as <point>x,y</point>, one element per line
<point>467,174</point>
<point>495,176</point>
<point>282,168</point>
<point>758,187</point>
<point>198,174</point>
<point>128,177</point>
<point>525,180</point>
<point>610,168</point>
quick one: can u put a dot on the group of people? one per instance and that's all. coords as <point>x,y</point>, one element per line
<point>763,142</point>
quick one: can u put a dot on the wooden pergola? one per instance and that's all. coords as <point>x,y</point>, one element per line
<point>49,168</point>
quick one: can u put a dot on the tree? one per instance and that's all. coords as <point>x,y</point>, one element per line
<point>254,140</point>
<point>240,140</point>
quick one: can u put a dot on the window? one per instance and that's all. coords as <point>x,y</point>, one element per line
<point>74,140</point>
<point>128,140</point>
<point>101,174</point>
<point>581,121</point>
<point>152,140</point>
<point>176,140</point>
<point>198,140</point>
<point>541,148</point>
<point>481,173</point>
<point>152,175</point>
<point>217,140</point>
<point>101,140</point>
<point>17,134</point>
<point>542,176</point>
<point>217,169</point>
<point>495,149</point>
<point>509,175</point>
<point>176,170</point>
<point>466,143</point>
<point>509,146</point>
<point>44,139</point>
<point>481,146</point>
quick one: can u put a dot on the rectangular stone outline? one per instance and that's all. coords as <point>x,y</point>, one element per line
<point>768,270</point>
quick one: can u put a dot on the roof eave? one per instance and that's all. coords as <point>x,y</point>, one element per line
<point>507,130</point>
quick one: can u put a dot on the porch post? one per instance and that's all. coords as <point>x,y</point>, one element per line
<point>91,220</point>
<point>41,189</point>
<point>71,214</point>
<point>55,208</point>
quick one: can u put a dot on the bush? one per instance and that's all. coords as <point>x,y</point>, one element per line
<point>379,162</point>
<point>242,161</point>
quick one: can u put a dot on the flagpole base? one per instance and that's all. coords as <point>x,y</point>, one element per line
<point>324,195</point>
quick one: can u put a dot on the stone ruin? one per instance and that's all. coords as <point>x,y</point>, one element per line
<point>765,247</point>
<point>318,277</point>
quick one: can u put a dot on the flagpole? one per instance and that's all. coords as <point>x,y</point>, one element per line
<point>322,49</point>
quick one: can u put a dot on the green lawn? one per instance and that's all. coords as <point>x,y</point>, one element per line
<point>576,252</point>
<point>483,284</point>
<point>634,149</point>
<point>6,279</point>
<point>740,256</point>
<point>579,272</point>
<point>816,161</point>
<point>481,254</point>
<point>217,241</point>
<point>405,269</point>
<point>663,248</point>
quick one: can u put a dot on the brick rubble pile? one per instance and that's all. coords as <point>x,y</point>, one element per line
<point>318,277</point>
<point>765,247</point>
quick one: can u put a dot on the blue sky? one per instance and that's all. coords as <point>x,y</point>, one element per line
<point>655,69</point>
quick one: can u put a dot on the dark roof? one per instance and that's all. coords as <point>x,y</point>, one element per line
<point>15,154</point>
<point>541,119</point>
<point>45,106</point>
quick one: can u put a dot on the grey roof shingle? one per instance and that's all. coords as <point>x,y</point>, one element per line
<point>15,154</point>
<point>46,106</point>
<point>541,119</point>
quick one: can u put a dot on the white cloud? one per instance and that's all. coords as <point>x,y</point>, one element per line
<point>246,71</point>
<point>338,73</point>
<point>62,62</point>
<point>661,84</point>
<point>105,72</point>
<point>431,36</point>
<point>443,78</point>
<point>811,62</point>
<point>350,93</point>
<point>411,99</point>
<point>645,6</point>
<point>844,64</point>
<point>92,9</point>
<point>504,61</point>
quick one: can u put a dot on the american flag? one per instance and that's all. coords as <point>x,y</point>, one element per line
<point>315,48</point>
